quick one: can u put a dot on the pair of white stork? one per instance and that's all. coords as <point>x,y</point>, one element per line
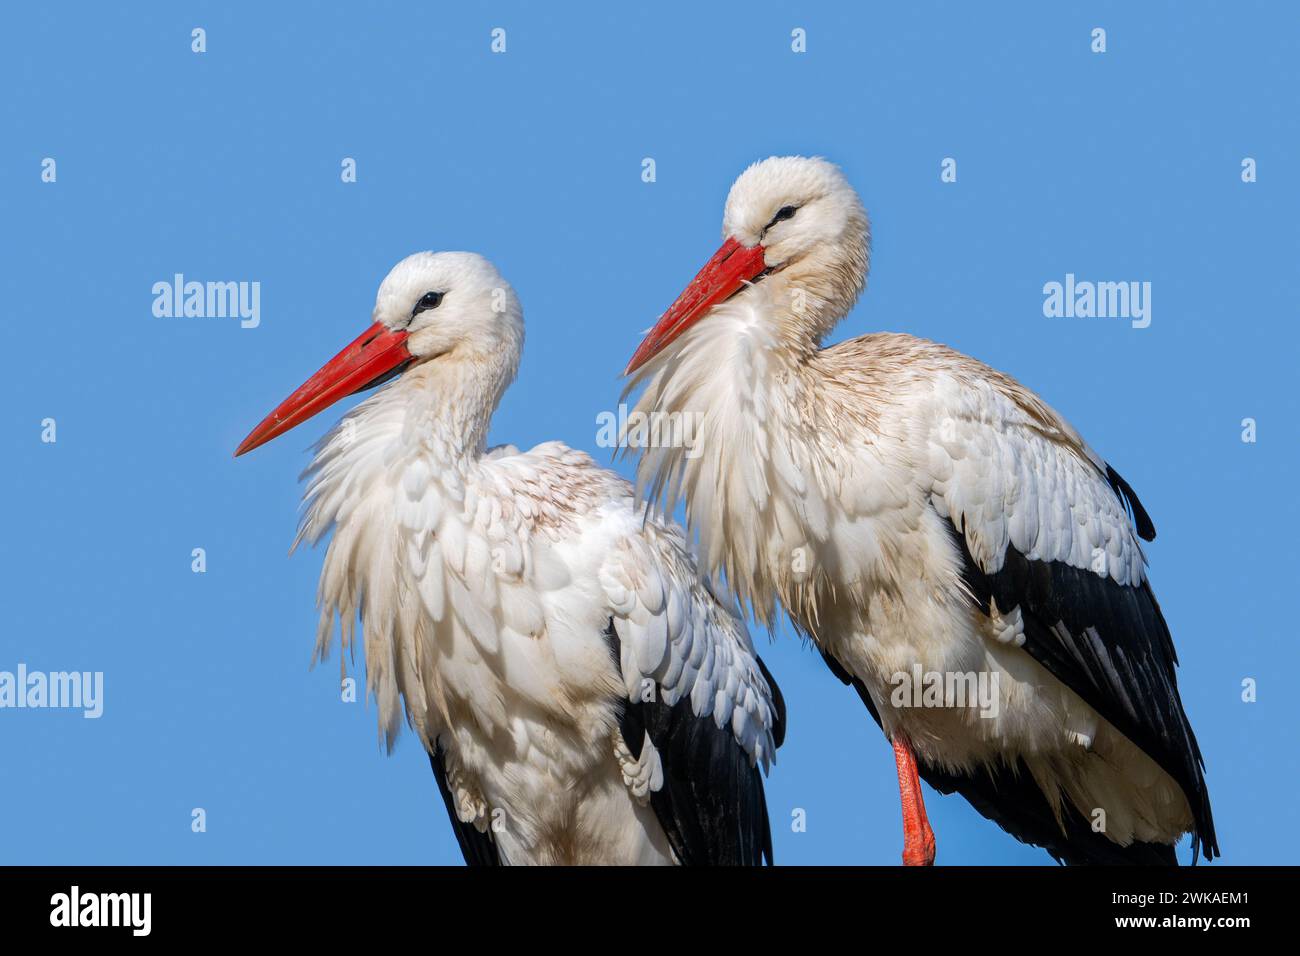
<point>588,693</point>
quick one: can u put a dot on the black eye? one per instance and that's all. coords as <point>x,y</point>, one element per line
<point>785,212</point>
<point>430,300</point>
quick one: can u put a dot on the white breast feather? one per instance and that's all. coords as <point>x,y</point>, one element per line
<point>483,593</point>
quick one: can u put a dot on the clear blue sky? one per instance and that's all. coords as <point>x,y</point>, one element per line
<point>226,166</point>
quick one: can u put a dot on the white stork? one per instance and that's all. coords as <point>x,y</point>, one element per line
<point>920,514</point>
<point>583,698</point>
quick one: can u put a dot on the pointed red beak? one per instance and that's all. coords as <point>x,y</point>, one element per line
<point>373,356</point>
<point>730,268</point>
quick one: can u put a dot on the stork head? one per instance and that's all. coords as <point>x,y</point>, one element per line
<point>445,307</point>
<point>449,303</point>
<point>793,222</point>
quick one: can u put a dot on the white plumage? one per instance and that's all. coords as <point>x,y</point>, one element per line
<point>910,507</point>
<point>534,631</point>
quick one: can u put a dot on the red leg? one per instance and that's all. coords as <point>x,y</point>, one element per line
<point>918,838</point>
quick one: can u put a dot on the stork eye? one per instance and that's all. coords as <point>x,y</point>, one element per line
<point>782,214</point>
<point>430,300</point>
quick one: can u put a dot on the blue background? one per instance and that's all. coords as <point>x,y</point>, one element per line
<point>225,166</point>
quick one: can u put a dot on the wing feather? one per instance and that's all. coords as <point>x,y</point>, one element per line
<point>1042,524</point>
<point>697,694</point>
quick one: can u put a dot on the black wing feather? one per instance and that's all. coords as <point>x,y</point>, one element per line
<point>477,848</point>
<point>778,704</point>
<point>711,804</point>
<point>1108,643</point>
<point>1146,529</point>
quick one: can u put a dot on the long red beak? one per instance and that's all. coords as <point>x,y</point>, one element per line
<point>730,268</point>
<point>371,356</point>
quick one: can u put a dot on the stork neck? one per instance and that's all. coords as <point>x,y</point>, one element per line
<point>759,408</point>
<point>450,402</point>
<point>806,300</point>
<point>789,318</point>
